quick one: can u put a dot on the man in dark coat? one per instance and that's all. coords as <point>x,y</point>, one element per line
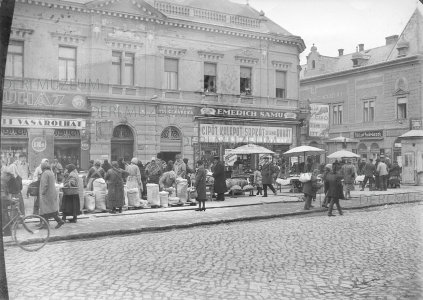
<point>369,171</point>
<point>333,185</point>
<point>200,186</point>
<point>267,176</point>
<point>219,186</point>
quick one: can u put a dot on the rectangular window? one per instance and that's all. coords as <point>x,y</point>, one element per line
<point>280,84</point>
<point>171,74</point>
<point>402,108</point>
<point>67,63</point>
<point>128,78</point>
<point>14,62</point>
<point>116,68</point>
<point>210,78</point>
<point>245,81</point>
<point>369,111</point>
<point>337,114</point>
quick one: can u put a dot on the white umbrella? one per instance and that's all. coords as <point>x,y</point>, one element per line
<point>343,153</point>
<point>251,149</point>
<point>303,150</point>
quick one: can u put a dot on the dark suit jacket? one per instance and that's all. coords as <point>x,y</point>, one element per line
<point>219,185</point>
<point>333,185</point>
<point>369,170</point>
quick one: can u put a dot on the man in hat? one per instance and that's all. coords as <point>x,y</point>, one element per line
<point>219,186</point>
<point>369,171</point>
<point>349,172</point>
<point>267,176</point>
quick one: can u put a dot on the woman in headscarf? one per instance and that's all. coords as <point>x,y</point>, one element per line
<point>106,166</point>
<point>94,173</point>
<point>70,203</point>
<point>114,178</point>
<point>168,179</point>
<point>310,189</point>
<point>134,176</point>
<point>153,172</point>
<point>49,208</point>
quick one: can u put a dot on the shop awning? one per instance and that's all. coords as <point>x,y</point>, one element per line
<point>342,139</point>
<point>413,134</point>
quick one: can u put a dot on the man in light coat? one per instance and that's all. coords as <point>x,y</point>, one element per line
<point>49,206</point>
<point>382,170</point>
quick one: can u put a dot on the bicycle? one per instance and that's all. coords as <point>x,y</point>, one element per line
<point>30,233</point>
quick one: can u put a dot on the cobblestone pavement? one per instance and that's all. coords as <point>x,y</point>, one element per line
<point>366,254</point>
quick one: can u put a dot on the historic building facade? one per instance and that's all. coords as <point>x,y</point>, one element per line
<point>110,79</point>
<point>371,96</point>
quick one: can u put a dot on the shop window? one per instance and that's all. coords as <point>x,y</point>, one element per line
<point>67,147</point>
<point>337,114</point>
<point>402,108</point>
<point>280,84</point>
<point>14,62</point>
<point>245,81</point>
<point>14,141</point>
<point>67,63</point>
<point>210,78</point>
<point>171,74</point>
<point>122,68</point>
<point>369,111</point>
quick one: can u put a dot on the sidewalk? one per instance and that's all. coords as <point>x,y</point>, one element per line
<point>242,208</point>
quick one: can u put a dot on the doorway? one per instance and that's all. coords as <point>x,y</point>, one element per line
<point>170,143</point>
<point>122,143</point>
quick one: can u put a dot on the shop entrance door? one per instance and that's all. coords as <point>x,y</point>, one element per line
<point>122,143</point>
<point>408,168</point>
<point>169,156</point>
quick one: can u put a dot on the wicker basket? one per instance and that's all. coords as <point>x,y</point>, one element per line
<point>70,190</point>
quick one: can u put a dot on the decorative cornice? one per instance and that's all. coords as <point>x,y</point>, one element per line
<point>20,32</point>
<point>210,56</point>
<point>246,60</point>
<point>174,52</point>
<point>282,65</point>
<point>68,38</point>
<point>400,92</point>
<point>123,44</point>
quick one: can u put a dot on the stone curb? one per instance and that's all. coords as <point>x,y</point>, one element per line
<point>92,235</point>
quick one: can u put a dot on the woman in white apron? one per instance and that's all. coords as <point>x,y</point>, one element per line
<point>134,178</point>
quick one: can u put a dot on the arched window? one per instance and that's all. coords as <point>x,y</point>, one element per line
<point>170,133</point>
<point>362,148</point>
<point>313,64</point>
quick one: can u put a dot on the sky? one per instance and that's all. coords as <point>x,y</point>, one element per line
<point>338,24</point>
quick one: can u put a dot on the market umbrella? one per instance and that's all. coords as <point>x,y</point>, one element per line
<point>343,153</point>
<point>304,150</point>
<point>251,149</point>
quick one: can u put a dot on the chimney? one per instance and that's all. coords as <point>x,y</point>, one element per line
<point>391,39</point>
<point>340,52</point>
<point>360,47</point>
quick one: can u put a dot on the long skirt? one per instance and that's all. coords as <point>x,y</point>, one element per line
<point>70,205</point>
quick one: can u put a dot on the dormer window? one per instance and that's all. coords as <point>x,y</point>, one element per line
<point>355,62</point>
<point>402,48</point>
<point>313,64</point>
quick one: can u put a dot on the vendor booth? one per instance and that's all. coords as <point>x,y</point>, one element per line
<point>412,157</point>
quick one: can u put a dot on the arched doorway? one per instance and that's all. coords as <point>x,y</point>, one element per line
<point>170,143</point>
<point>362,150</point>
<point>122,143</point>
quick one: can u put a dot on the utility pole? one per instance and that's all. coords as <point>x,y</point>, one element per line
<point>7,8</point>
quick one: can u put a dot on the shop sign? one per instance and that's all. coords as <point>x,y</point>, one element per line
<point>229,158</point>
<point>368,134</point>
<point>85,145</point>
<point>102,111</point>
<point>247,113</point>
<point>327,93</point>
<point>397,145</point>
<point>319,120</point>
<point>39,144</point>
<point>43,123</point>
<point>43,99</point>
<point>416,124</point>
<point>210,133</point>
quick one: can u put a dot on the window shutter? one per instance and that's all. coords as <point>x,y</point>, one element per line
<point>280,80</point>
<point>171,65</point>
<point>209,69</point>
<point>245,72</point>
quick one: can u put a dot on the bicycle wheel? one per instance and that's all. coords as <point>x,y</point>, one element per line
<point>29,235</point>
